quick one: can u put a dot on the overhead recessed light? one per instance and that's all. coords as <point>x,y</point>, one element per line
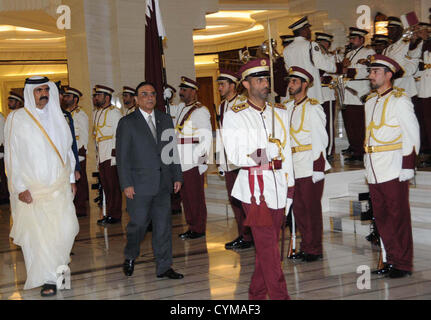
<point>209,37</point>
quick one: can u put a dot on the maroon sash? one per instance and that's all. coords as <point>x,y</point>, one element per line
<point>258,215</point>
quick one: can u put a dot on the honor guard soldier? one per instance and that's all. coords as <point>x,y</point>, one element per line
<point>379,42</point>
<point>308,140</point>
<point>328,94</point>
<point>105,124</point>
<point>424,86</point>
<point>356,89</point>
<point>265,181</point>
<point>128,96</point>
<point>227,83</point>
<point>71,99</point>
<point>307,54</point>
<point>194,133</point>
<point>399,51</point>
<point>391,144</point>
<point>15,101</point>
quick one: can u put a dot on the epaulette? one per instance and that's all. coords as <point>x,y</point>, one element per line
<point>112,107</point>
<point>371,95</point>
<point>313,101</point>
<point>280,106</point>
<point>399,92</point>
<point>239,107</point>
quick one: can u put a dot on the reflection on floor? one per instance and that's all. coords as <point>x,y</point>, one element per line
<point>210,271</point>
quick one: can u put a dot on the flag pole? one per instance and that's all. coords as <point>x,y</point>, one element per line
<point>164,78</point>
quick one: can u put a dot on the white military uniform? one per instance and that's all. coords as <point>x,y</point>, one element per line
<point>392,131</point>
<point>298,54</point>
<point>174,111</point>
<point>105,123</point>
<point>424,83</point>
<point>409,62</point>
<point>80,120</point>
<point>246,130</point>
<point>224,164</point>
<point>129,111</point>
<point>360,82</point>
<point>308,137</point>
<point>194,134</point>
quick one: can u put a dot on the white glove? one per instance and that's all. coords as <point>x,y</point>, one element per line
<point>406,174</point>
<point>220,171</point>
<point>202,168</point>
<point>317,176</point>
<point>167,94</point>
<point>272,151</point>
<point>288,205</point>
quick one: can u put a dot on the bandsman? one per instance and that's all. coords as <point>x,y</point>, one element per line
<point>307,54</point>
<point>423,83</point>
<point>328,94</point>
<point>356,89</point>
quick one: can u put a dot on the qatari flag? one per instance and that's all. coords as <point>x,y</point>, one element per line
<point>154,33</point>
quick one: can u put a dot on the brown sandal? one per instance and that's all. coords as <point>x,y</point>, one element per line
<point>48,290</point>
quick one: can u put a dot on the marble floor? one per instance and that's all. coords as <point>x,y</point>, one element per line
<point>210,271</point>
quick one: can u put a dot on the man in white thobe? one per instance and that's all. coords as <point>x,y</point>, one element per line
<point>40,166</point>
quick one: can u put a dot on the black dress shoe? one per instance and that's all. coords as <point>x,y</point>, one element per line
<point>232,244</point>
<point>195,235</point>
<point>397,273</point>
<point>297,255</point>
<point>171,274</point>
<point>383,271</point>
<point>107,220</point>
<point>185,235</point>
<point>128,267</point>
<point>308,257</point>
<point>242,244</point>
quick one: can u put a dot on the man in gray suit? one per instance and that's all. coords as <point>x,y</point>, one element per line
<point>149,171</point>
